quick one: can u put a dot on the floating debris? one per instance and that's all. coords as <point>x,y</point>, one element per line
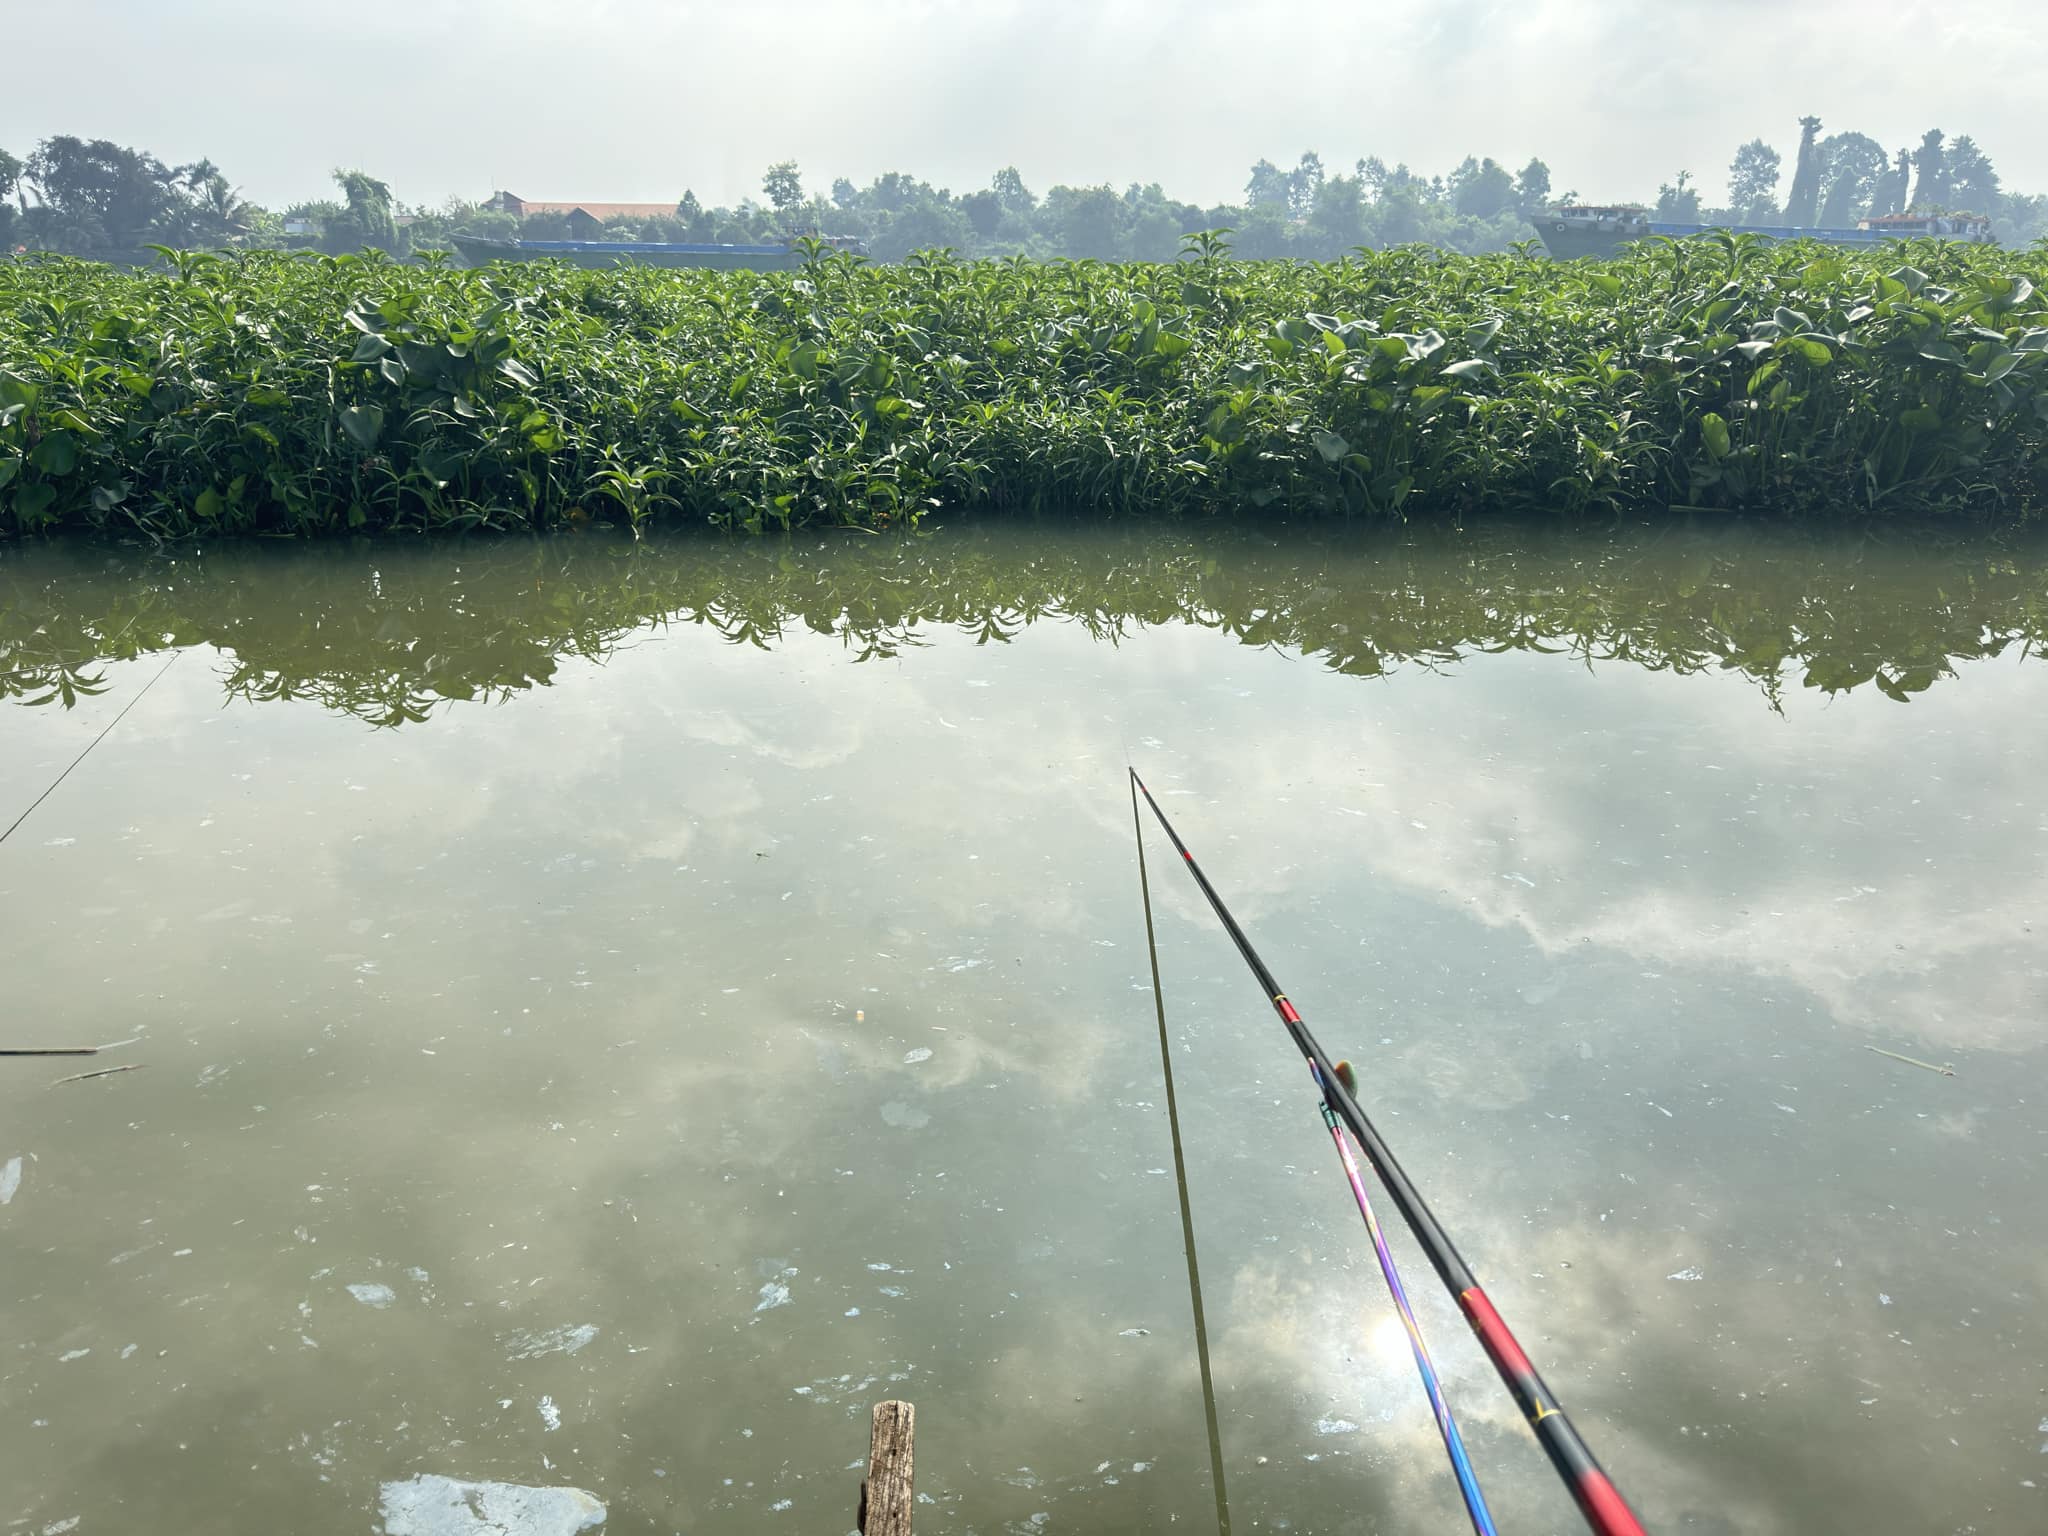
<point>912,1058</point>
<point>531,1344</point>
<point>79,1077</point>
<point>10,1179</point>
<point>1944,1070</point>
<point>428,1505</point>
<point>550,1415</point>
<point>373,1295</point>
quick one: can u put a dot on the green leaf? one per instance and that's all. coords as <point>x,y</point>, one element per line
<point>519,373</point>
<point>16,391</point>
<point>1607,284</point>
<point>1815,352</point>
<point>1470,368</point>
<point>393,370</point>
<point>1331,446</point>
<point>362,424</point>
<point>1171,345</point>
<point>369,347</point>
<point>210,504</point>
<point>1714,433</point>
<point>56,455</point>
<point>32,501</point>
<point>9,468</point>
<point>1920,419</point>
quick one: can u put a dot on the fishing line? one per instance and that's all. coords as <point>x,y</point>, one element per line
<point>1598,1499</point>
<point>39,799</point>
<point>1447,1425</point>
<point>1180,1179</point>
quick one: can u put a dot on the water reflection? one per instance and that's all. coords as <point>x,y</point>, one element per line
<point>608,1010</point>
<point>387,633</point>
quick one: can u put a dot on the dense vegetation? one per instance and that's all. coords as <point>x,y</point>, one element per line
<point>304,394</point>
<point>390,633</point>
<point>97,198</point>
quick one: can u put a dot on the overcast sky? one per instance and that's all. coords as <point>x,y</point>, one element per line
<point>639,99</point>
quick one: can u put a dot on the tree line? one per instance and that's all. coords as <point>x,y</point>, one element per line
<point>95,197</point>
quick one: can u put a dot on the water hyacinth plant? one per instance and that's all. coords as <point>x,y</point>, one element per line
<point>298,395</point>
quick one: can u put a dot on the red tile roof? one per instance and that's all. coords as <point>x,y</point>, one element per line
<point>599,211</point>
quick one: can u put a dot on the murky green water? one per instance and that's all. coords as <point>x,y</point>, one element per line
<point>715,999</point>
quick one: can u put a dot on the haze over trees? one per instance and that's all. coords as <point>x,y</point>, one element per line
<point>95,197</point>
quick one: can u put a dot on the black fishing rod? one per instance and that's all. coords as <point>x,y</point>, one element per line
<point>1598,1499</point>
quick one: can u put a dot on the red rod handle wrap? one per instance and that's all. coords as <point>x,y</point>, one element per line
<point>1598,1499</point>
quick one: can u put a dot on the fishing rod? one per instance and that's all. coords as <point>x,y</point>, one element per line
<point>1447,1425</point>
<point>1180,1178</point>
<point>1599,1501</point>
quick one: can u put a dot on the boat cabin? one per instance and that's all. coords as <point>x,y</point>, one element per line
<point>1972,228</point>
<point>1602,215</point>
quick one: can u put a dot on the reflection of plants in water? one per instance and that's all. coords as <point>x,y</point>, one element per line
<point>388,632</point>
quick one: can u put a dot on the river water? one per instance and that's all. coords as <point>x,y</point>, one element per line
<point>607,1014</point>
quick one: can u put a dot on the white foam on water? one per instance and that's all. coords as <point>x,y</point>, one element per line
<point>1335,1426</point>
<point>912,1058</point>
<point>10,1179</point>
<point>428,1505</point>
<point>1687,1274</point>
<point>73,1354</point>
<point>379,1296</point>
<point>773,1294</point>
<point>550,1415</point>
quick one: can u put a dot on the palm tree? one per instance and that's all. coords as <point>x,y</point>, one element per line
<point>223,207</point>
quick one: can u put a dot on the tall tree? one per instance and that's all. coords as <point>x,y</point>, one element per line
<point>1678,202</point>
<point>1486,192</point>
<point>1304,182</point>
<point>1008,186</point>
<point>1088,221</point>
<point>1338,219</point>
<point>1753,183</point>
<point>10,174</point>
<point>1890,196</point>
<point>1268,186</point>
<point>1532,187</point>
<point>784,185</point>
<point>365,222</point>
<point>1973,184</point>
<point>984,211</point>
<point>1930,172</point>
<point>1853,168</point>
<point>99,195</point>
<point>1802,201</point>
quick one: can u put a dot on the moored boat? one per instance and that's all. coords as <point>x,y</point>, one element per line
<point>1585,229</point>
